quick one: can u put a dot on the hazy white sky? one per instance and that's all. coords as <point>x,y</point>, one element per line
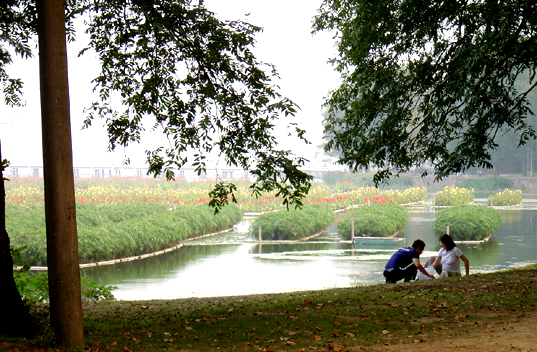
<point>286,41</point>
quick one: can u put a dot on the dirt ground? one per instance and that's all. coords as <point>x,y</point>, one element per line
<point>519,335</point>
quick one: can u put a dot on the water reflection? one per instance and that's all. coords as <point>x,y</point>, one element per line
<point>236,264</point>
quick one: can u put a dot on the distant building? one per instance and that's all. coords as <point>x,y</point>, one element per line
<point>129,171</point>
<point>317,170</point>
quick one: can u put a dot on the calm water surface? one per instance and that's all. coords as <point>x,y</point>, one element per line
<point>234,264</point>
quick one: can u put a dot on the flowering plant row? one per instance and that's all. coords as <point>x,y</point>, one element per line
<point>452,195</point>
<point>506,198</point>
<point>177,193</point>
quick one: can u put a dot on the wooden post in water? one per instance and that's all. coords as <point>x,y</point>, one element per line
<point>352,230</point>
<point>260,239</point>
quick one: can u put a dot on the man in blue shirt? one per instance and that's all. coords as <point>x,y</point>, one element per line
<point>405,263</point>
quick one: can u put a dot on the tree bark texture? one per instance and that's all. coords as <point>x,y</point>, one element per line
<point>60,208</point>
<point>15,320</point>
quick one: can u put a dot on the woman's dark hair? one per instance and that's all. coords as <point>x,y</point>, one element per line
<point>448,241</point>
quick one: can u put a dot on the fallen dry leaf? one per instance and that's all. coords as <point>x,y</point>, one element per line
<point>336,348</point>
<point>317,338</point>
<point>385,332</point>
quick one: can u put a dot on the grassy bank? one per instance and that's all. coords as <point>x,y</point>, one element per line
<point>316,320</point>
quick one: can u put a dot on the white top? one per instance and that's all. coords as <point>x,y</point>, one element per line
<point>451,259</point>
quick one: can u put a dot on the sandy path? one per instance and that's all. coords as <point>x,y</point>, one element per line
<point>518,335</point>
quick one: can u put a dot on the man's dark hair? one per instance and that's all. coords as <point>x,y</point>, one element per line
<point>418,244</point>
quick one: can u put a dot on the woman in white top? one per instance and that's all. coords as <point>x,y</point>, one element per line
<point>449,256</point>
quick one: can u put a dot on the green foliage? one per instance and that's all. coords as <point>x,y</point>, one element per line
<point>467,222</point>
<point>17,26</point>
<point>33,286</point>
<point>428,81</point>
<point>452,195</point>
<point>117,230</point>
<point>93,292</point>
<point>195,75</point>
<point>375,220</point>
<point>492,184</point>
<point>505,198</point>
<point>5,164</point>
<point>294,223</point>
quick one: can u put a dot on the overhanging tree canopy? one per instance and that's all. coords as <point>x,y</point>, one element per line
<point>174,62</point>
<point>428,81</point>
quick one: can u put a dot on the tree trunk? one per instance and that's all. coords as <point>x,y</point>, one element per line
<point>15,320</point>
<point>60,208</point>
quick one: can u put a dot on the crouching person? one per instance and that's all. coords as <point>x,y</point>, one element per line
<point>405,263</point>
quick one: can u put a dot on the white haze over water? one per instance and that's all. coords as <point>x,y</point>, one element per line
<point>286,41</point>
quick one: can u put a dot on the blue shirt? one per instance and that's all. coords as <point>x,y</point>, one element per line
<point>402,258</point>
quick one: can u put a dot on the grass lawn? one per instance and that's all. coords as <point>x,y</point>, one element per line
<point>326,320</point>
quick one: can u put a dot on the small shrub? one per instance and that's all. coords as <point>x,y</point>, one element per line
<point>467,222</point>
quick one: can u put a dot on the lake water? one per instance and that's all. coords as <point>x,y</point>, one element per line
<point>235,264</point>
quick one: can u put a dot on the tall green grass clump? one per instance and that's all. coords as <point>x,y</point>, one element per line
<point>376,220</point>
<point>293,224</point>
<point>467,222</point>
<point>118,230</point>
